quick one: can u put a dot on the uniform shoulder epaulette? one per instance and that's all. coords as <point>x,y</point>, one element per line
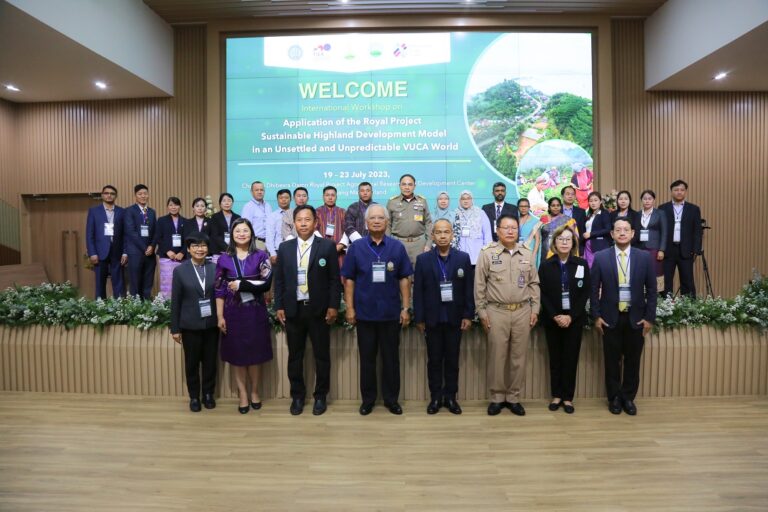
<point>488,245</point>
<point>419,196</point>
<point>394,197</point>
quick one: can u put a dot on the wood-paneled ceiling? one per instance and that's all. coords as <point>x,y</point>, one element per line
<point>199,11</point>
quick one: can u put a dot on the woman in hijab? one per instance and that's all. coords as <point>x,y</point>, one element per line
<point>471,227</point>
<point>443,208</point>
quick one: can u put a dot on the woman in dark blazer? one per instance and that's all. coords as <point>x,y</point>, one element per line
<point>565,288</point>
<point>169,244</point>
<point>596,232</point>
<point>220,224</point>
<point>653,231</point>
<point>198,222</point>
<point>624,210</point>
<point>194,322</point>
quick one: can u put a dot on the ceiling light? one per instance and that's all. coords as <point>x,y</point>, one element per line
<point>100,84</point>
<point>721,75</point>
<point>12,87</point>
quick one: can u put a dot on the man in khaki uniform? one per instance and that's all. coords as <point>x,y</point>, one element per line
<point>507,302</point>
<point>410,222</point>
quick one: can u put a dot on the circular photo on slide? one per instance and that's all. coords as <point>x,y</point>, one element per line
<point>548,167</point>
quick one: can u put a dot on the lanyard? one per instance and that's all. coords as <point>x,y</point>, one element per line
<point>623,270</point>
<point>440,262</point>
<point>301,254</point>
<point>331,218</point>
<point>646,219</point>
<point>143,213</point>
<point>238,269</point>
<point>370,247</point>
<point>175,225</point>
<point>228,220</point>
<point>197,274</point>
<point>563,276</point>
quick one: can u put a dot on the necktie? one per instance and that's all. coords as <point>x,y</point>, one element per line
<point>304,265</point>
<point>498,211</point>
<point>623,277</point>
<point>144,214</point>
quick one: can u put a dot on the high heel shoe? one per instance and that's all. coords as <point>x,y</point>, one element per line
<point>256,405</point>
<point>243,410</point>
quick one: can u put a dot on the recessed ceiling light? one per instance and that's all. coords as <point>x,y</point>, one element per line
<point>100,84</point>
<point>12,87</point>
<point>720,76</point>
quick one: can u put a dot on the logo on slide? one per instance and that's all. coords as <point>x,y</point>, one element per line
<point>322,50</point>
<point>295,52</point>
<point>401,50</point>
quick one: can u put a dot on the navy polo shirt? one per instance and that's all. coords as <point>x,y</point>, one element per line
<point>377,302</point>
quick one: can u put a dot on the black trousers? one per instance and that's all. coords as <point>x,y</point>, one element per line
<point>443,345</point>
<point>622,342</point>
<point>107,268</point>
<point>383,338</point>
<point>674,259</point>
<point>201,348</point>
<point>141,270</point>
<point>296,329</point>
<point>564,346</point>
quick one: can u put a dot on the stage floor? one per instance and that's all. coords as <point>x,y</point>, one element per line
<point>64,452</point>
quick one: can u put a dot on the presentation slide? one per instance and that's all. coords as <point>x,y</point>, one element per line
<point>458,110</point>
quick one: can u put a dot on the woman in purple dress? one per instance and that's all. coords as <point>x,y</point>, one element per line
<point>243,275</point>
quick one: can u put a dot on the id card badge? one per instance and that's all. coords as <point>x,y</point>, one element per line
<point>676,233</point>
<point>144,230</point>
<point>301,278</point>
<point>330,229</point>
<point>521,280</point>
<point>246,297</point>
<point>644,235</point>
<point>379,273</point>
<point>624,294</point>
<point>446,291</point>
<point>205,307</point>
<point>565,301</point>
<point>176,240</point>
<point>465,232</point>
<point>226,238</point>
<point>109,229</point>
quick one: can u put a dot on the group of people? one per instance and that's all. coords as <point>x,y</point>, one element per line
<point>394,264</point>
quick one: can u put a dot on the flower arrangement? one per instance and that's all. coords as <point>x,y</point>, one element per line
<point>209,209</point>
<point>609,200</point>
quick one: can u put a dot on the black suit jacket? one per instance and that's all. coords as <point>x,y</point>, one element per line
<point>190,226</point>
<point>551,288</point>
<point>185,296</point>
<point>217,226</point>
<point>690,228</point>
<point>135,244</point>
<point>490,211</point>
<point>426,288</point>
<point>322,274</point>
<point>580,216</point>
<point>600,234</point>
<point>164,236</point>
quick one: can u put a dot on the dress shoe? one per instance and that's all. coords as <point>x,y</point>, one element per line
<point>452,405</point>
<point>630,407</point>
<point>256,405</point>
<point>495,408</point>
<point>569,408</point>
<point>320,406</point>
<point>394,408</point>
<point>615,406</point>
<point>243,410</point>
<point>366,408</point>
<point>516,408</point>
<point>553,406</point>
<point>208,401</point>
<point>194,405</point>
<point>297,406</point>
<point>433,407</point>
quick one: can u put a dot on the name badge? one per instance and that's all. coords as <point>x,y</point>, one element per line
<point>418,217</point>
<point>144,230</point>
<point>644,235</point>
<point>676,232</point>
<point>379,273</point>
<point>226,238</point>
<point>205,307</point>
<point>301,278</point>
<point>565,301</point>
<point>109,229</point>
<point>176,240</point>
<point>521,280</point>
<point>579,272</point>
<point>246,297</point>
<point>330,229</point>
<point>464,231</point>
<point>446,291</point>
<point>624,294</point>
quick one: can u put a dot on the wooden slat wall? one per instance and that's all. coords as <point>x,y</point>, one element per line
<point>717,142</point>
<point>125,361</point>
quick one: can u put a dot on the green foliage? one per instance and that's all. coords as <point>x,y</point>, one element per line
<point>502,101</point>
<point>571,116</point>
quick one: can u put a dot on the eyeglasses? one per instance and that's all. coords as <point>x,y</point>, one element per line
<point>198,246</point>
<point>563,239</point>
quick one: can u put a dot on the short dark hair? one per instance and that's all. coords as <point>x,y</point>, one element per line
<point>500,184</point>
<point>364,184</point>
<point>507,216</point>
<point>677,183</point>
<point>304,207</point>
<point>329,187</point>
<point>622,219</point>
<point>173,199</point>
<point>567,187</point>
<point>197,200</point>
<point>297,189</point>
<point>196,237</point>
<point>140,186</point>
<point>649,192</point>
<point>225,194</point>
<point>283,191</point>
<point>406,175</point>
<point>112,188</point>
<point>257,182</point>
<point>523,199</point>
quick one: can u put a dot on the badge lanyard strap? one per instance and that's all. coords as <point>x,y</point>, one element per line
<point>301,254</point>
<point>563,276</point>
<point>623,270</point>
<point>201,281</point>
<point>378,255</point>
<point>237,267</point>
<point>442,267</point>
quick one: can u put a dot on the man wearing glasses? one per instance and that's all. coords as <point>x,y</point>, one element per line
<point>104,243</point>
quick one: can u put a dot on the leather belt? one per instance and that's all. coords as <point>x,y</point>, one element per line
<point>409,239</point>
<point>509,307</point>
<point>303,302</point>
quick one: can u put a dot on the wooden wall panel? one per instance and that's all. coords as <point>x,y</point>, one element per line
<point>717,142</point>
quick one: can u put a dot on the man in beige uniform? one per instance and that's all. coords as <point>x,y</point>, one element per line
<point>410,222</point>
<point>507,301</point>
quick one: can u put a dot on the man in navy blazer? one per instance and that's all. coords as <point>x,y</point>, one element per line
<point>104,242</point>
<point>571,209</point>
<point>499,207</point>
<point>623,305</point>
<point>443,307</point>
<point>307,298</point>
<point>140,221</point>
<point>684,234</point>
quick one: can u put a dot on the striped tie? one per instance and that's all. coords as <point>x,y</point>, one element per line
<point>623,278</point>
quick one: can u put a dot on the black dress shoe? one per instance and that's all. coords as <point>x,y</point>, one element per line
<point>615,406</point>
<point>569,408</point>
<point>194,405</point>
<point>256,405</point>
<point>320,406</point>
<point>495,408</point>
<point>366,408</point>
<point>553,406</point>
<point>630,407</point>
<point>433,407</point>
<point>243,410</point>
<point>208,401</point>
<point>297,406</point>
<point>452,405</point>
<point>394,408</point>
<point>516,408</point>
